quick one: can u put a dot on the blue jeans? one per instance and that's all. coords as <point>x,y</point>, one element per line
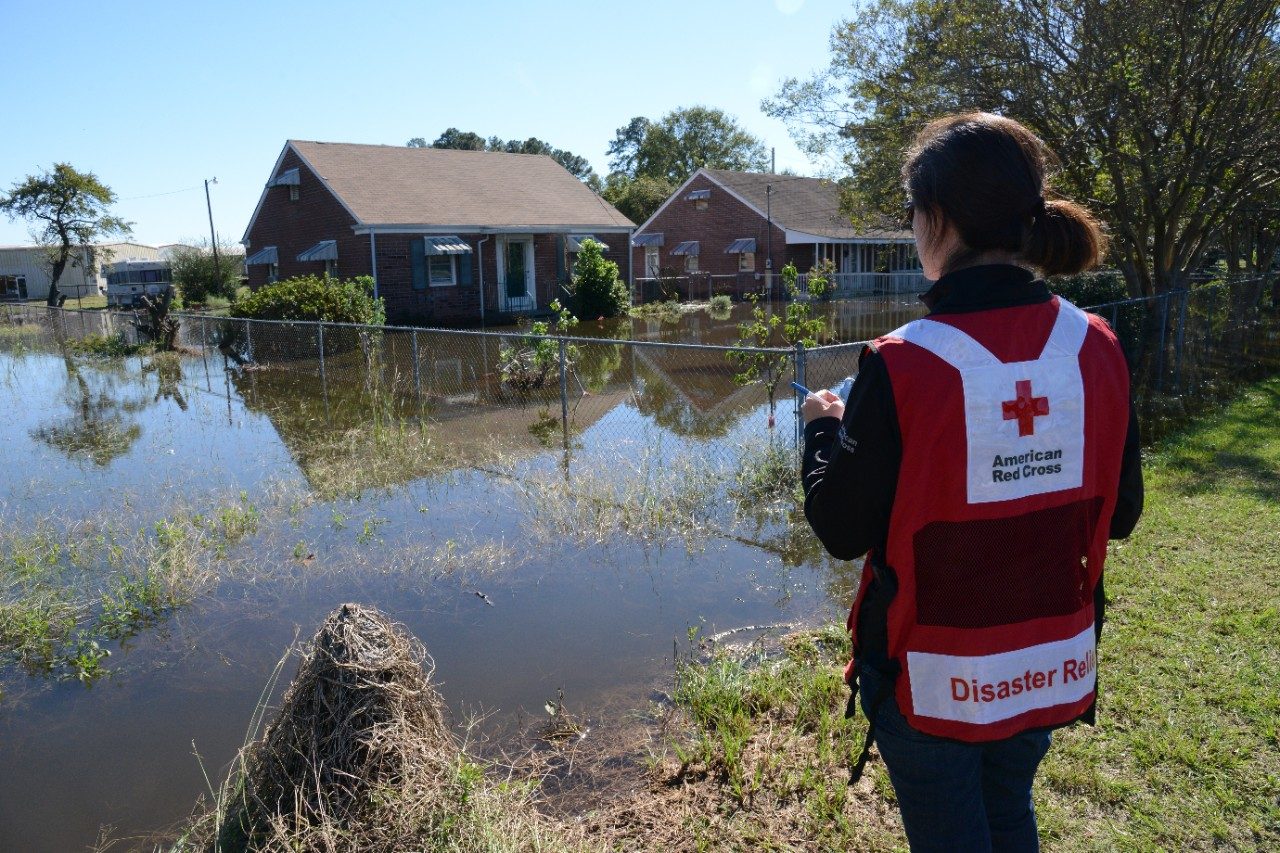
<point>957,796</point>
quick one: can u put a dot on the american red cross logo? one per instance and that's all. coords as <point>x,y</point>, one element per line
<point>1024,408</point>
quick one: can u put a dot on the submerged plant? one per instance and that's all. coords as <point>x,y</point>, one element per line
<point>535,358</point>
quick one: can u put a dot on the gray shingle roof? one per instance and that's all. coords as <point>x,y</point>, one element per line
<point>811,205</point>
<point>392,185</point>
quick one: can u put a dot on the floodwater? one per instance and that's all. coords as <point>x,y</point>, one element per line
<point>405,475</point>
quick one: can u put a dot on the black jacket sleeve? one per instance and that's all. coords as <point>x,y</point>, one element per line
<point>851,467</point>
<point>1130,495</point>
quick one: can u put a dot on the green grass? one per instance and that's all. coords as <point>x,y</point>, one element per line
<point>68,592</point>
<point>1187,751</point>
<point>107,346</point>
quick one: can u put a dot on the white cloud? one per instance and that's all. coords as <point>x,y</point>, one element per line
<point>788,7</point>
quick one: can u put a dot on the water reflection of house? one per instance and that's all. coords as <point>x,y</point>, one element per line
<point>692,392</point>
<point>386,434</point>
<point>725,224</point>
<point>451,237</point>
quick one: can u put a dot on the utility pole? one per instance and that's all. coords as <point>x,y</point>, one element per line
<point>773,161</point>
<point>213,237</point>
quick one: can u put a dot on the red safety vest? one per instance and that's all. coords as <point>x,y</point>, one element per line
<point>1010,468</point>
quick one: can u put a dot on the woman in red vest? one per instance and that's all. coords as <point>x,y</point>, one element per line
<point>985,455</point>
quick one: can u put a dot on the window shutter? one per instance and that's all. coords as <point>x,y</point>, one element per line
<point>418,260</point>
<point>464,269</point>
<point>560,258</point>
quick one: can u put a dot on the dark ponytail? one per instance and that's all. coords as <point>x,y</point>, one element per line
<point>985,175</point>
<point>1065,239</point>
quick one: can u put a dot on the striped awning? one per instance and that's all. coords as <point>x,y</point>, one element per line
<point>742,244</point>
<point>263,256</point>
<point>688,247</point>
<point>445,246</point>
<point>647,239</point>
<point>287,178</point>
<point>698,195</point>
<point>574,241</point>
<point>325,250</point>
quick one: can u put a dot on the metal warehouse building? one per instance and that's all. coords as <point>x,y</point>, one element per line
<point>24,270</point>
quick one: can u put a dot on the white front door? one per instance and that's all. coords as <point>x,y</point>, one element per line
<point>516,281</point>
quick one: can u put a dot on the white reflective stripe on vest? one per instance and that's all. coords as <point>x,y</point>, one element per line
<point>989,688</point>
<point>1024,421</point>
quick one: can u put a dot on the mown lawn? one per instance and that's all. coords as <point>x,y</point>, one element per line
<point>1186,754</point>
<point>1187,750</point>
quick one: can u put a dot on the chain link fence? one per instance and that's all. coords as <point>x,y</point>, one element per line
<point>447,398</point>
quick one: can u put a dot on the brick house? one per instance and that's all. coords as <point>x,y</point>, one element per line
<point>449,237</point>
<point>718,229</point>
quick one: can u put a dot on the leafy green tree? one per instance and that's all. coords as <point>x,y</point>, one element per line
<point>596,288</point>
<point>467,141</point>
<point>636,198</point>
<point>69,210</point>
<point>1166,116</point>
<point>681,142</point>
<point>198,275</point>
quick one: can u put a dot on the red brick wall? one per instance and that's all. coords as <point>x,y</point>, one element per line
<point>726,219</point>
<point>459,305</point>
<point>295,226</point>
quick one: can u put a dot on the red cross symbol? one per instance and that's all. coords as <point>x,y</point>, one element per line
<point>1025,408</point>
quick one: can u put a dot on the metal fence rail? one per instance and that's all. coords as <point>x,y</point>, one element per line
<point>1187,349</point>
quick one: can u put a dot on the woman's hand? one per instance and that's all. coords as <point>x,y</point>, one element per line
<point>822,404</point>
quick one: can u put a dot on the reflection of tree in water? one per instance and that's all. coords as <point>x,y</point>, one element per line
<point>597,364</point>
<point>346,437</point>
<point>167,367</point>
<point>98,427</point>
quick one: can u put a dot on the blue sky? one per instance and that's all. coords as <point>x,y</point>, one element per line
<point>155,97</point>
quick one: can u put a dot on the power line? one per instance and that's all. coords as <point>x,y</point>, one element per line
<point>157,195</point>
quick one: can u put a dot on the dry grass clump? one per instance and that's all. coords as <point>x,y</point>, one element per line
<point>360,758</point>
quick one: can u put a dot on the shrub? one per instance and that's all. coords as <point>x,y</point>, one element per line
<point>197,276</point>
<point>311,297</point>
<point>1091,288</point>
<point>596,290</point>
<point>721,303</point>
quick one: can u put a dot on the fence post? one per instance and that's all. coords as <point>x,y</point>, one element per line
<point>417,372</point>
<point>248,339</point>
<point>564,393</point>
<point>800,377</point>
<point>320,337</point>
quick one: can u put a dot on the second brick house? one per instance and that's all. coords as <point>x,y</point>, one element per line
<point>450,237</point>
<point>721,227</point>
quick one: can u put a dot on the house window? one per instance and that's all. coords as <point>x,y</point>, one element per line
<point>440,271</point>
<point>652,261</point>
<point>273,273</point>
<point>690,263</point>
<point>746,262</point>
<point>293,192</point>
<point>331,267</point>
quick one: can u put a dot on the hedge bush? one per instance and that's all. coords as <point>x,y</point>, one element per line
<point>312,297</point>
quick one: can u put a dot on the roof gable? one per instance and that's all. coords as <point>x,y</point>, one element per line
<point>808,205</point>
<point>394,185</point>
